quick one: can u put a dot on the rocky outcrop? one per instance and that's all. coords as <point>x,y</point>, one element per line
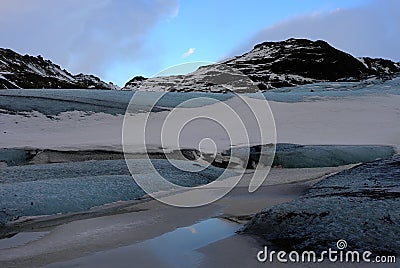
<point>380,67</point>
<point>360,205</point>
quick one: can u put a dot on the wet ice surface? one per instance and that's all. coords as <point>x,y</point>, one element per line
<point>72,187</point>
<point>174,249</point>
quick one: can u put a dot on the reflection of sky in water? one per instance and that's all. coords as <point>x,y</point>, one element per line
<point>179,247</point>
<point>173,249</point>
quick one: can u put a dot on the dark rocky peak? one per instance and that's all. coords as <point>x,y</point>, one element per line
<point>17,71</point>
<point>298,61</point>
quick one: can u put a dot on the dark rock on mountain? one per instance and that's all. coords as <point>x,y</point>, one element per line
<point>17,71</point>
<point>137,81</point>
<point>381,67</point>
<point>277,64</point>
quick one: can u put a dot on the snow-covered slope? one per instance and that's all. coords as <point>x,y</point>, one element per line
<point>219,78</point>
<point>272,65</point>
<point>17,71</point>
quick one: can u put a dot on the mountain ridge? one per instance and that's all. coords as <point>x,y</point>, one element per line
<point>287,63</point>
<point>28,72</point>
<point>268,65</point>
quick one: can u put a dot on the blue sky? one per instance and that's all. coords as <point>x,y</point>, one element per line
<point>215,28</point>
<point>118,39</point>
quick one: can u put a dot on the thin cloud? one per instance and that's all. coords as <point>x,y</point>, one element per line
<point>188,53</point>
<point>369,30</point>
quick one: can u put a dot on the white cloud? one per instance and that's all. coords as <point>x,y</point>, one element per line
<point>370,30</point>
<point>174,13</point>
<point>188,53</point>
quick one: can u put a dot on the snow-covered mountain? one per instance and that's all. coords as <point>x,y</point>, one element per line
<point>273,65</point>
<point>17,71</point>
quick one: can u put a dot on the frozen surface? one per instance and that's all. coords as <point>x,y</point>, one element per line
<point>52,102</point>
<point>56,101</point>
<point>334,90</point>
<point>71,187</point>
<point>320,114</point>
<point>362,120</point>
<point>311,156</point>
<point>13,157</point>
<point>298,156</point>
